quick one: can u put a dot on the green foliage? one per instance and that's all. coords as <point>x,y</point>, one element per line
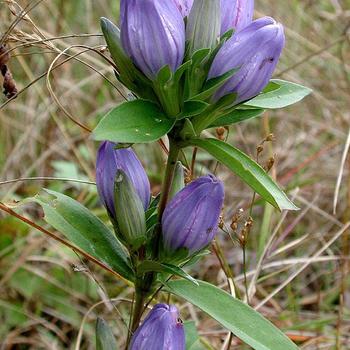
<point>133,122</point>
<point>247,169</point>
<point>284,95</point>
<point>169,269</point>
<point>236,116</point>
<point>237,317</point>
<point>85,230</point>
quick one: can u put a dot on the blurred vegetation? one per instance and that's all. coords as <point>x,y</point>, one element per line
<point>50,297</point>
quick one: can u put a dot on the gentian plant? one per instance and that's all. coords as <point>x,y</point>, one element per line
<point>187,67</point>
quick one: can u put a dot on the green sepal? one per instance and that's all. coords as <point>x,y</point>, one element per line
<point>129,212</point>
<point>181,71</point>
<point>192,108</point>
<point>227,35</point>
<point>188,131</point>
<point>197,74</point>
<point>168,91</point>
<point>178,182</point>
<point>212,85</point>
<point>205,120</point>
<point>128,74</point>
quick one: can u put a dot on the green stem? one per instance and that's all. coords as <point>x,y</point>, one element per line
<point>174,151</point>
<point>145,284</point>
<point>138,309</point>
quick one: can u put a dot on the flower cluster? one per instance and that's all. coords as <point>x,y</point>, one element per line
<point>189,224</point>
<point>171,51</point>
<point>190,219</point>
<point>208,54</point>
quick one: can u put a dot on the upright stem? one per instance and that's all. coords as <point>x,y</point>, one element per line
<point>173,156</point>
<point>138,309</point>
<point>144,286</point>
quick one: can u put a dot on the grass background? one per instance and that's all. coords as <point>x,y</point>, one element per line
<point>48,295</point>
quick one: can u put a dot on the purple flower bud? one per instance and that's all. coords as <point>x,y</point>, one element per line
<point>255,51</point>
<point>109,161</point>
<point>236,14</point>
<point>184,6</point>
<point>161,329</point>
<point>152,34</point>
<point>191,218</point>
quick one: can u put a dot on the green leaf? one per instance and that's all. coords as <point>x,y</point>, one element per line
<point>155,266</point>
<point>236,116</point>
<point>192,108</point>
<point>85,230</point>
<point>104,337</point>
<point>213,85</point>
<point>133,122</point>
<point>164,75</point>
<point>248,170</point>
<point>287,94</point>
<point>199,56</point>
<point>127,73</point>
<point>181,70</point>
<point>187,131</point>
<point>237,317</point>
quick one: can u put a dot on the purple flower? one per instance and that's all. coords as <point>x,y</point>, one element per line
<point>109,161</point>
<point>191,218</point>
<point>162,329</point>
<point>236,14</point>
<point>152,34</point>
<point>255,51</point>
<point>184,6</point>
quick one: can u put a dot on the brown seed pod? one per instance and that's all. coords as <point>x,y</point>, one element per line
<point>9,84</point>
<point>4,56</point>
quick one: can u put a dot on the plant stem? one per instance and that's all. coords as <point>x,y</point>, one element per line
<point>173,156</point>
<point>138,308</point>
<point>145,285</point>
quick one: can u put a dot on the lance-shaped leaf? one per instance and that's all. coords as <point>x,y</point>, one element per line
<point>85,230</point>
<point>155,266</point>
<point>236,116</point>
<point>285,95</point>
<point>247,169</point>
<point>133,122</point>
<point>237,317</point>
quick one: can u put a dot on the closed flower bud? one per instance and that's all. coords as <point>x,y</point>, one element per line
<point>152,34</point>
<point>203,26</point>
<point>162,329</point>
<point>191,218</point>
<point>129,212</point>
<point>236,14</point>
<point>255,51</point>
<point>184,6</point>
<point>109,161</point>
